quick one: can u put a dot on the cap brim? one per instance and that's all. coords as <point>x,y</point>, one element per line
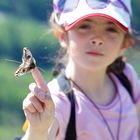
<point>68,27</point>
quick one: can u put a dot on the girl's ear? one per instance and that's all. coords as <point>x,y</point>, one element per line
<point>63,39</point>
<point>128,42</point>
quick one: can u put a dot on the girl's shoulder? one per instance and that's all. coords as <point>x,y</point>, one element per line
<point>130,70</point>
<point>132,75</point>
<point>62,105</point>
<point>60,84</point>
<point>56,92</point>
<point>53,85</point>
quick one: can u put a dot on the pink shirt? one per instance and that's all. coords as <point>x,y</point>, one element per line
<point>89,123</point>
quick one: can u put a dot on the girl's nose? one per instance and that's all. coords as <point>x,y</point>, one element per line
<point>97,41</point>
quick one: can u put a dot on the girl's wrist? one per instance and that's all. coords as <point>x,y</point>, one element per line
<point>35,134</point>
<point>35,131</point>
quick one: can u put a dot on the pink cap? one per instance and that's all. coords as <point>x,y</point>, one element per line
<point>118,11</point>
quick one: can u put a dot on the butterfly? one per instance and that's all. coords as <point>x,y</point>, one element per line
<point>28,63</point>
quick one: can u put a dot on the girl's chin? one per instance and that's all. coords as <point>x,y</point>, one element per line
<point>95,67</point>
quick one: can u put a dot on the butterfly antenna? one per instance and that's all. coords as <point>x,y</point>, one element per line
<point>10,60</point>
<point>41,69</point>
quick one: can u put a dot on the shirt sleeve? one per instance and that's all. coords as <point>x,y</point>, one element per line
<point>134,80</point>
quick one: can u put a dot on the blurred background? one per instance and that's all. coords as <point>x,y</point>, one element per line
<point>24,23</point>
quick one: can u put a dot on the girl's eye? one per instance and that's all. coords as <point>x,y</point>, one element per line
<point>112,30</point>
<point>84,27</point>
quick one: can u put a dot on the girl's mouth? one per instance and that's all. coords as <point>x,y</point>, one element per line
<point>94,53</point>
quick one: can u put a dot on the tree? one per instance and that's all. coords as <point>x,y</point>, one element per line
<point>37,9</point>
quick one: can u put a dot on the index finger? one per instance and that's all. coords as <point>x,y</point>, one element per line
<point>39,80</point>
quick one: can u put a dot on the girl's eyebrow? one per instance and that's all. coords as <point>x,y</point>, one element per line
<point>107,22</point>
<point>111,23</point>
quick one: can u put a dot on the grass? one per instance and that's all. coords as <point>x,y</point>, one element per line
<point>11,124</point>
<point>8,132</point>
<point>12,92</point>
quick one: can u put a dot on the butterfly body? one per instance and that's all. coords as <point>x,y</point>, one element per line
<point>28,63</point>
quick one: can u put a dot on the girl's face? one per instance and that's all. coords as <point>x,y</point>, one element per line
<point>95,43</point>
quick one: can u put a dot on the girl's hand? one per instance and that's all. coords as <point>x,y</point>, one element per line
<point>39,109</point>
<point>38,106</point>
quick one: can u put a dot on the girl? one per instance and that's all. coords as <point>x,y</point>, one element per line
<point>96,35</point>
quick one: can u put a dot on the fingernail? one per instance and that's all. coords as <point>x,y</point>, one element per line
<point>32,86</point>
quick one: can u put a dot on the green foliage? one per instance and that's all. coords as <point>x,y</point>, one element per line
<point>37,9</point>
<point>136,13</point>
<point>8,132</point>
<point>16,33</point>
<point>12,92</point>
<point>8,81</point>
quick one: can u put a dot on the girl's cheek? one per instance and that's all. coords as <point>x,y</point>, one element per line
<point>111,37</point>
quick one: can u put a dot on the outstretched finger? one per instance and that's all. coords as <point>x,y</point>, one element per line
<point>41,83</point>
<point>42,93</point>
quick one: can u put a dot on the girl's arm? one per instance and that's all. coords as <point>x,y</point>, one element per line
<point>39,110</point>
<point>135,82</point>
<point>50,135</point>
<point>33,135</point>
<point>38,105</point>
